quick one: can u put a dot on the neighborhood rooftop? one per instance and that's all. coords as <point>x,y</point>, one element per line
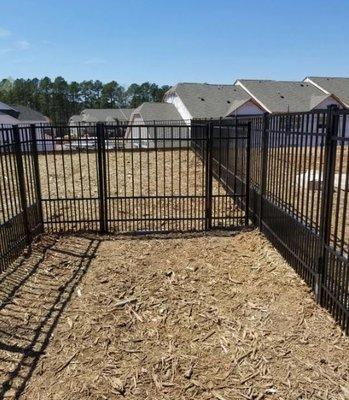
<point>17,114</point>
<point>332,85</point>
<point>6,119</point>
<point>27,114</point>
<point>284,96</point>
<point>157,111</point>
<point>106,114</point>
<point>204,100</point>
<point>4,107</point>
<point>76,119</point>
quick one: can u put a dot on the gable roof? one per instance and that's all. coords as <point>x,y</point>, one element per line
<point>29,115</point>
<point>76,118</point>
<point>204,100</point>
<point>5,107</point>
<point>336,86</point>
<point>6,119</point>
<point>106,114</point>
<point>9,110</point>
<point>284,96</point>
<point>158,112</point>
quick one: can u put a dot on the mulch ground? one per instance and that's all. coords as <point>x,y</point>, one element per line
<point>166,317</point>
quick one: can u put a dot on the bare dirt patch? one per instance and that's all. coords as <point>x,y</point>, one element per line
<point>186,317</point>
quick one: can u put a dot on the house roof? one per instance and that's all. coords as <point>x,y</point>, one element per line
<point>9,110</point>
<point>158,112</point>
<point>29,115</point>
<point>205,100</point>
<point>284,96</point>
<point>332,85</point>
<point>76,118</point>
<point>6,119</point>
<point>106,114</point>
<point>5,107</point>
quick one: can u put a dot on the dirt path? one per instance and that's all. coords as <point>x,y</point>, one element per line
<point>204,317</point>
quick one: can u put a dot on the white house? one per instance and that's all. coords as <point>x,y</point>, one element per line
<point>280,97</point>
<point>112,115</point>
<point>338,87</point>
<point>170,131</point>
<point>202,100</point>
<point>287,96</point>
<point>23,117</point>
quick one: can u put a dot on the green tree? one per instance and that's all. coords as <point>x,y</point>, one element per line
<point>59,100</point>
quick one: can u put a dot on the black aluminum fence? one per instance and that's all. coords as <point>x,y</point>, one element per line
<point>287,173</point>
<point>150,179</point>
<point>20,206</point>
<point>299,196</point>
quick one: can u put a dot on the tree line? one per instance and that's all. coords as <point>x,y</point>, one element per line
<point>59,99</point>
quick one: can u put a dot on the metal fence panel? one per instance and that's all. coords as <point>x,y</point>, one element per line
<point>299,178</point>
<point>151,178</point>
<point>20,205</point>
<point>289,173</point>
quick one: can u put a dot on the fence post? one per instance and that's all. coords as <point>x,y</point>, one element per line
<point>209,176</point>
<point>248,174</point>
<point>327,195</point>
<point>21,183</point>
<point>34,148</point>
<point>101,177</point>
<point>264,166</point>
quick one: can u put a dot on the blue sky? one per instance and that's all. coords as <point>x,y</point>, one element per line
<point>163,41</point>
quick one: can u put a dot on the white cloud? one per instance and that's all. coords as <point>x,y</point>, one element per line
<point>4,32</point>
<point>22,45</point>
<point>95,61</point>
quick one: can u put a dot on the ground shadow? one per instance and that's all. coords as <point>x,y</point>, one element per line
<point>33,295</point>
<point>36,289</point>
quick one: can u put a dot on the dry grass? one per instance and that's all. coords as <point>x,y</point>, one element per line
<point>188,317</point>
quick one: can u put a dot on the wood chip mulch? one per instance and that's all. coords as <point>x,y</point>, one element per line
<point>214,316</point>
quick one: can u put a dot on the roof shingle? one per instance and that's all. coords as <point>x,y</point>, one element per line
<point>158,112</point>
<point>106,114</point>
<point>284,96</point>
<point>29,115</point>
<point>336,86</point>
<point>204,100</point>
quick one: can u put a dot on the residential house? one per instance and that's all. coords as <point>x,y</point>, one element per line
<point>286,96</point>
<point>112,115</point>
<point>77,126</point>
<point>203,100</point>
<point>85,123</point>
<point>5,109</point>
<point>277,97</point>
<point>338,87</point>
<point>23,116</point>
<point>27,115</point>
<point>6,119</point>
<point>141,131</point>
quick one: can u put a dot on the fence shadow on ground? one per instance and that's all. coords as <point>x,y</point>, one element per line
<point>33,295</point>
<point>36,289</point>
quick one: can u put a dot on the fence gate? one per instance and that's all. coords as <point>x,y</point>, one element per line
<point>173,177</point>
<point>145,178</point>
